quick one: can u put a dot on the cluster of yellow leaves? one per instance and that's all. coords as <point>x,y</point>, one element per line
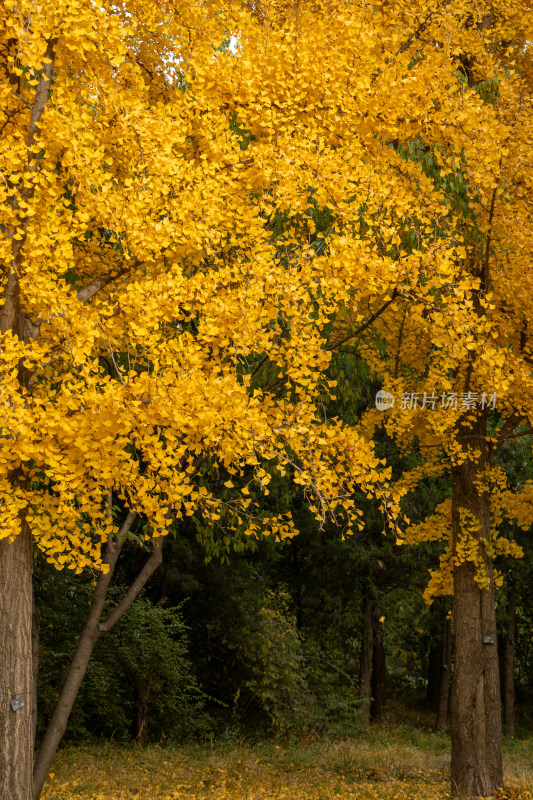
<point>468,547</point>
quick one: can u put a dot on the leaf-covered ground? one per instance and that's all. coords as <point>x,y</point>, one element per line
<point>399,763</point>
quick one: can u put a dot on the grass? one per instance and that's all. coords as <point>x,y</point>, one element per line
<point>385,763</point>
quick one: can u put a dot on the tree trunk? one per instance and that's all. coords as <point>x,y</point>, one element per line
<point>445,668</point>
<point>365,671</point>
<point>508,661</point>
<point>435,656</point>
<point>379,670</point>
<point>141,714</point>
<point>16,720</point>
<point>433,675</point>
<point>35,666</point>
<point>92,631</point>
<point>476,768</point>
<point>16,558</point>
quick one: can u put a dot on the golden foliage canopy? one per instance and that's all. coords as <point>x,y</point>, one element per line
<point>170,283</point>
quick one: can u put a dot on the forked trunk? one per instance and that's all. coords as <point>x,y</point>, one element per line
<point>92,631</point>
<point>16,671</point>
<point>476,768</point>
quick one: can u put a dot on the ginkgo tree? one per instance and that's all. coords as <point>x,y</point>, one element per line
<point>463,388</point>
<point>168,293</point>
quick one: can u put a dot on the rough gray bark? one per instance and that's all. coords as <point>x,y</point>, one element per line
<point>16,726</point>
<point>93,630</point>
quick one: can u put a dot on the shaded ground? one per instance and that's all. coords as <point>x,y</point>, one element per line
<point>387,763</point>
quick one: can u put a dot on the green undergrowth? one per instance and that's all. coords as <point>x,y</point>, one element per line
<point>383,763</point>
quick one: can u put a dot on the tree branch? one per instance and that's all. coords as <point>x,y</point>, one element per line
<point>10,317</point>
<point>528,432</point>
<point>78,666</point>
<point>156,557</point>
<point>416,34</point>
<point>101,282</point>
<point>366,324</point>
<point>508,426</point>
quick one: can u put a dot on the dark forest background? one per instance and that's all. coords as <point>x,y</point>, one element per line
<point>316,636</point>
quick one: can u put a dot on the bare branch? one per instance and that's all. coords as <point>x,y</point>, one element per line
<point>19,97</point>
<point>528,432</point>
<point>366,324</point>
<point>156,557</point>
<point>508,426</point>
